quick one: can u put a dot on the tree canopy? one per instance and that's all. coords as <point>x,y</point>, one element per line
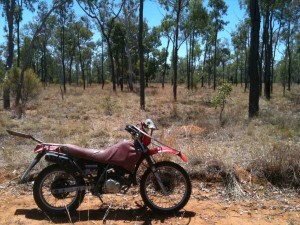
<point>83,42</point>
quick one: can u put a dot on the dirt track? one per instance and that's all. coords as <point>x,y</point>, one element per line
<point>208,205</point>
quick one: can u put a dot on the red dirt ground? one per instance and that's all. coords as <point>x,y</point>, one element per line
<point>208,205</point>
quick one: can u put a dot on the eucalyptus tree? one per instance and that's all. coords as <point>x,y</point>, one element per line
<point>240,41</point>
<point>130,22</point>
<point>291,23</point>
<point>196,23</point>
<point>166,27</point>
<point>46,34</point>
<point>63,18</point>
<point>98,62</point>
<point>218,10</point>
<point>267,7</point>
<point>42,51</point>
<point>152,42</point>
<point>42,21</point>
<point>20,5</point>
<point>70,44</point>
<point>177,10</point>
<point>141,56</point>
<point>13,10</point>
<point>83,38</point>
<point>237,45</point>
<point>118,48</point>
<point>87,56</point>
<point>278,15</point>
<point>224,57</point>
<point>207,62</point>
<point>104,12</point>
<point>253,59</point>
<point>9,8</point>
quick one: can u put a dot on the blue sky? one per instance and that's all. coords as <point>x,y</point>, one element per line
<point>153,14</point>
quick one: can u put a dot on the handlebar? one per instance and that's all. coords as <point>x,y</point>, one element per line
<point>133,130</point>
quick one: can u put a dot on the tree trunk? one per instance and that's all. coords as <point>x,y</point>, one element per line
<point>44,64</point>
<point>10,7</point>
<point>261,56</point>
<point>236,71</point>
<point>141,56</point>
<point>289,56</point>
<point>18,43</point>
<point>70,70</point>
<point>253,59</point>
<point>267,56</point>
<point>175,57</point>
<point>245,67</point>
<point>63,57</point>
<point>270,51</point>
<point>165,64</point>
<point>215,59</point>
<point>192,59</point>
<point>102,64</point>
<point>188,60</point>
<point>127,49</point>
<point>111,57</point>
<point>204,63</point>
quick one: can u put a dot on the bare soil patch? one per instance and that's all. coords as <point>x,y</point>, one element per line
<point>208,205</point>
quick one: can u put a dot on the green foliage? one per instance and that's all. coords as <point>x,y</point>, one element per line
<point>31,84</point>
<point>220,99</point>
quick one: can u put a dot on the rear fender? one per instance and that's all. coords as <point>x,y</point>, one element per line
<point>164,149</point>
<point>42,147</point>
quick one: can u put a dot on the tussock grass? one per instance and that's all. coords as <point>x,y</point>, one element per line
<point>267,147</point>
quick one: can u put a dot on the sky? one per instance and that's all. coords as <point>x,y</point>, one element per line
<point>153,14</point>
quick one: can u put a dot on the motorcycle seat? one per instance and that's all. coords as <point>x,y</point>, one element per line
<point>121,154</point>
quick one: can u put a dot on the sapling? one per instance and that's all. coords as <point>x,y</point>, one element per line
<point>221,98</point>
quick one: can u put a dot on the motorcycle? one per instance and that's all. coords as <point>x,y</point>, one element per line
<point>60,187</point>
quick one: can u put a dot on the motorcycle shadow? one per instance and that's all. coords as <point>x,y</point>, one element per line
<point>104,215</point>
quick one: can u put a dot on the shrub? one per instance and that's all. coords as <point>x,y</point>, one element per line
<point>221,98</point>
<point>31,84</point>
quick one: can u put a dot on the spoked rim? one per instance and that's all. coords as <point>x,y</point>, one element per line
<point>58,179</point>
<point>176,188</point>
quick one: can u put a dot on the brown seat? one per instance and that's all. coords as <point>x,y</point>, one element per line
<point>121,154</point>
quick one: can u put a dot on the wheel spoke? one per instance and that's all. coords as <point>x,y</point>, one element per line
<point>176,187</point>
<point>53,202</point>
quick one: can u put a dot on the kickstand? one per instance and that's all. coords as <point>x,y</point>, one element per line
<point>99,196</point>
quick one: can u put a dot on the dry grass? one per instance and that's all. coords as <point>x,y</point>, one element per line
<point>266,147</point>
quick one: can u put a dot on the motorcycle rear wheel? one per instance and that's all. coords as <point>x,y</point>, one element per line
<point>177,185</point>
<point>52,203</point>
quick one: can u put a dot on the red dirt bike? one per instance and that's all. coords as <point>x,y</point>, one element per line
<point>60,187</point>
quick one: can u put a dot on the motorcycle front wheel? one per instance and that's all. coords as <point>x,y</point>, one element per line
<point>176,190</point>
<point>54,177</point>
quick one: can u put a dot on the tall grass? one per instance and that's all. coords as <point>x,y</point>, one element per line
<point>267,146</point>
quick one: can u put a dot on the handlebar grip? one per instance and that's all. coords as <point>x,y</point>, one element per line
<point>131,129</point>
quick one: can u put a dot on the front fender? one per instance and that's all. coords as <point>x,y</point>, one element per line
<point>164,149</point>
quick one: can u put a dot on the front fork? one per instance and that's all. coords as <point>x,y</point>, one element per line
<point>154,170</point>
<point>26,176</point>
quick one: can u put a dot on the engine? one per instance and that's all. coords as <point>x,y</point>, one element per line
<point>111,186</point>
<point>114,180</point>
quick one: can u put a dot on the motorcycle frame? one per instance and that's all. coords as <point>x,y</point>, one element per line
<point>43,148</point>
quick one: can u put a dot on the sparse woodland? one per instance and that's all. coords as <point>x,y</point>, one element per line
<point>231,106</point>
